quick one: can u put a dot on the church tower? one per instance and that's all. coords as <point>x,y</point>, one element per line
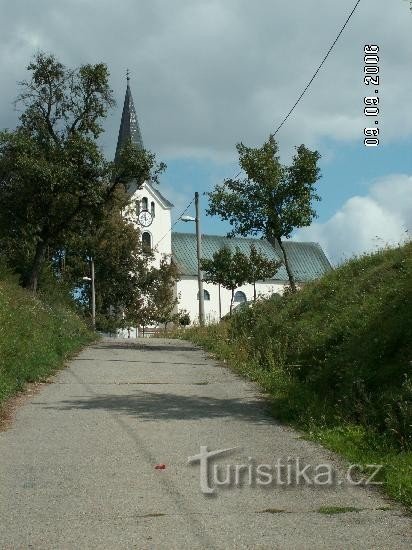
<point>149,210</point>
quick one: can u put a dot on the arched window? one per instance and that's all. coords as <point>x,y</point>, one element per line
<point>146,242</point>
<point>206,295</point>
<point>145,203</point>
<point>239,297</point>
<point>152,209</point>
<point>137,208</point>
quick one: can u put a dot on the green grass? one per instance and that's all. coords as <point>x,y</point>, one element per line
<point>336,360</point>
<point>35,337</point>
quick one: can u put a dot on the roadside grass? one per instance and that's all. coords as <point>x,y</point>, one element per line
<point>336,361</point>
<point>36,337</point>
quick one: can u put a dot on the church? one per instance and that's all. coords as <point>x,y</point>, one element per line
<point>151,212</point>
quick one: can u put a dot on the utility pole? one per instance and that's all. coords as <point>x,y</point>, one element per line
<point>199,256</point>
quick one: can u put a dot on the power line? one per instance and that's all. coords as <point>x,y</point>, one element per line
<point>291,110</point>
<point>314,75</point>
<point>318,69</point>
<point>172,226</point>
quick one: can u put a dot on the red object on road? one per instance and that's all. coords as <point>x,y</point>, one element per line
<point>160,467</point>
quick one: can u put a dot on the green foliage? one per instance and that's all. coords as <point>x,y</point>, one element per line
<point>337,359</point>
<point>347,337</point>
<point>225,268</point>
<point>35,337</point>
<point>51,169</point>
<point>232,270</point>
<point>120,265</point>
<point>136,165</point>
<point>260,268</point>
<point>54,180</point>
<point>184,318</point>
<point>228,269</point>
<point>273,199</point>
<point>155,302</point>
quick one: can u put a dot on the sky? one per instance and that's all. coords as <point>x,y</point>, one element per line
<point>207,74</point>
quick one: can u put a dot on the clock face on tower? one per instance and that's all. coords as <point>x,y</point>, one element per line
<point>145,218</point>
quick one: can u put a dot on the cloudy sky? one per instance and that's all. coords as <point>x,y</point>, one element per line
<point>206,74</point>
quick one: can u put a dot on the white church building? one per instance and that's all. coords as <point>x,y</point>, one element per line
<point>152,214</point>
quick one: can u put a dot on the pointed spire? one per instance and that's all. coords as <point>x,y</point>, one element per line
<point>129,126</point>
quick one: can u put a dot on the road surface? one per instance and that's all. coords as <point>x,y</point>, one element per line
<point>99,459</point>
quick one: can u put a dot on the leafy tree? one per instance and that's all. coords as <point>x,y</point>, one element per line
<point>120,266</point>
<point>162,294</point>
<point>227,269</point>
<point>273,199</point>
<point>156,301</point>
<point>260,268</point>
<point>54,180</point>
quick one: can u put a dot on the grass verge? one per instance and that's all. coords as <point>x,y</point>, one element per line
<point>35,338</point>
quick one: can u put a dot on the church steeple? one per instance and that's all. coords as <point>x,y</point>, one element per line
<point>129,126</point>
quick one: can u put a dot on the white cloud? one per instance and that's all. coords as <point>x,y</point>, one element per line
<point>364,223</point>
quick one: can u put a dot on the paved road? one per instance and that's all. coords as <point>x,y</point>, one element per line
<point>77,468</point>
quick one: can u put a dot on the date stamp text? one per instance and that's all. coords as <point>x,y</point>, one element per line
<point>371,102</point>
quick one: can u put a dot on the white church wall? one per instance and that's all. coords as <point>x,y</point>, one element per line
<point>187,289</point>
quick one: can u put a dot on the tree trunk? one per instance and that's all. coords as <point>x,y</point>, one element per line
<point>254,291</point>
<point>220,305</point>
<point>33,277</point>
<point>287,266</point>
<point>231,302</point>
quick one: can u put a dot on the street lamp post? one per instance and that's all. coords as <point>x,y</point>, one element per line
<point>93,292</point>
<point>199,256</point>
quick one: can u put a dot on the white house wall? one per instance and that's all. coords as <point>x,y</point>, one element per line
<point>187,289</point>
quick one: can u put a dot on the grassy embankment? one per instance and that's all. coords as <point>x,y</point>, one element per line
<point>35,337</point>
<point>336,360</point>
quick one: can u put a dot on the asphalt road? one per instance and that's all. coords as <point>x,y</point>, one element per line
<point>78,465</point>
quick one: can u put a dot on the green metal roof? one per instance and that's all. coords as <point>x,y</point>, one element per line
<point>307,260</point>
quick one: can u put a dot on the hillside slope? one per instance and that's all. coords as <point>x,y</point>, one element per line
<point>336,358</point>
<point>348,337</point>
<point>35,337</point>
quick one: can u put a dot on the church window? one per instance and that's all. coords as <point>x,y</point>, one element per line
<point>146,242</point>
<point>239,297</point>
<point>137,208</point>
<point>206,295</point>
<point>152,209</point>
<point>145,203</point>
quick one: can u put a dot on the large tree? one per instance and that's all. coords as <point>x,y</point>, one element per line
<point>119,262</point>
<point>273,199</point>
<point>54,179</point>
